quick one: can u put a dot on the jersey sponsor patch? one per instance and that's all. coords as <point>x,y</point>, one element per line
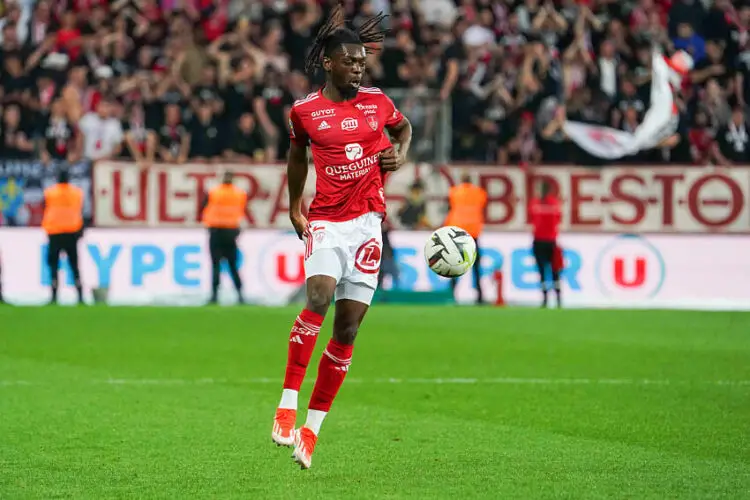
<point>353,151</point>
<point>349,124</point>
<point>323,125</point>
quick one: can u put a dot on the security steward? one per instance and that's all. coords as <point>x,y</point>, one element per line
<point>223,210</point>
<point>63,223</point>
<point>467,203</point>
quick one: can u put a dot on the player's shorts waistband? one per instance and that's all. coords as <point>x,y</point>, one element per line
<point>367,216</point>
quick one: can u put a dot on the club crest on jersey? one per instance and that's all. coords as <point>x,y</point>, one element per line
<point>349,124</point>
<point>372,122</point>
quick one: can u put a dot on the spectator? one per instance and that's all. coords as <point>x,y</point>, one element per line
<point>521,147</point>
<point>732,141</point>
<point>715,104</point>
<point>413,213</point>
<point>174,138</point>
<point>246,142</point>
<point>701,141</point>
<point>102,133</point>
<point>58,139</point>
<point>16,139</point>
<point>688,40</point>
<point>14,80</point>
<point>552,138</point>
<point>140,141</point>
<point>206,135</point>
<point>271,105</point>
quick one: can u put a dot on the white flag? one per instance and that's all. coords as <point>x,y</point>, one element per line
<point>659,123</point>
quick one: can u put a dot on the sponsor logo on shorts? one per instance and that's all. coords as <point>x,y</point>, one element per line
<point>367,258</point>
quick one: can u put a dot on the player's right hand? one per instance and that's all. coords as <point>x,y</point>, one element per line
<point>299,222</point>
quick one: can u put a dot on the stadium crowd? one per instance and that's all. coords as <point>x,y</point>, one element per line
<point>213,80</point>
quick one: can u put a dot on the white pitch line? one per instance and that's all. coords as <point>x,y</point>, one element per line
<point>398,381</point>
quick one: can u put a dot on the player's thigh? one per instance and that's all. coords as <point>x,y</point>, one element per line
<point>365,252</point>
<point>324,267</point>
<point>325,250</point>
<point>359,292</point>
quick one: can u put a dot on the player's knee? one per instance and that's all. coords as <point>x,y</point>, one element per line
<point>345,331</point>
<point>318,298</point>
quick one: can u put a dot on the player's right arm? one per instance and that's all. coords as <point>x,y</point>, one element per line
<point>296,171</point>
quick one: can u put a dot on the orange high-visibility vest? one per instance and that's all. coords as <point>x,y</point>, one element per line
<point>467,203</point>
<point>63,209</point>
<point>226,207</point>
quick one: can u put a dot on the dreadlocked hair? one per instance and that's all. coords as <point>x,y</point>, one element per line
<point>335,32</point>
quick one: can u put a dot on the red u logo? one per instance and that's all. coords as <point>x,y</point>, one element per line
<point>638,277</point>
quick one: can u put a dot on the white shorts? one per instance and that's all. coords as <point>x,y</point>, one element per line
<point>349,252</point>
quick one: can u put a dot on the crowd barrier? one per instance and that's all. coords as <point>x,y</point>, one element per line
<point>646,199</point>
<point>171,266</point>
<point>613,199</point>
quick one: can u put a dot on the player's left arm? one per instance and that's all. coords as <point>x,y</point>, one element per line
<point>400,131</point>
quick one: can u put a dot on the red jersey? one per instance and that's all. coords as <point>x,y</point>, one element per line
<point>346,139</point>
<point>545,217</point>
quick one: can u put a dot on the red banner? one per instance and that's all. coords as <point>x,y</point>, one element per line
<point>613,199</point>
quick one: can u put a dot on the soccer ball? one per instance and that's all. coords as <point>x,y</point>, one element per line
<point>450,251</point>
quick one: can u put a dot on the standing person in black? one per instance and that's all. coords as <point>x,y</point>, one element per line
<point>174,138</point>
<point>57,137</point>
<point>223,210</point>
<point>206,135</point>
<point>413,213</point>
<point>271,105</point>
<point>14,139</point>
<point>732,140</point>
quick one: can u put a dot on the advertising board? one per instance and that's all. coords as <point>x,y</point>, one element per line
<point>171,266</point>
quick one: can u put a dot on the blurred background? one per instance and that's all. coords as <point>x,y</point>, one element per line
<point>147,102</point>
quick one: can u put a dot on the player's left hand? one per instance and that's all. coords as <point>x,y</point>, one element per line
<point>390,161</point>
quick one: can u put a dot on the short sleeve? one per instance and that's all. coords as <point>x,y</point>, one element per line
<point>297,132</point>
<point>84,124</point>
<point>117,133</point>
<point>394,115</point>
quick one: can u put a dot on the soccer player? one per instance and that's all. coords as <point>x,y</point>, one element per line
<point>545,219</point>
<point>343,125</point>
<point>63,223</point>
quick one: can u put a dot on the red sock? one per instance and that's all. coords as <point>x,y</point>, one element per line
<point>301,344</point>
<point>334,364</point>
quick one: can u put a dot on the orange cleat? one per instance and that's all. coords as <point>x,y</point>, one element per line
<point>283,427</point>
<point>304,444</point>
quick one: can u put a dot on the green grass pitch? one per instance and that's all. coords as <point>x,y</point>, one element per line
<point>451,402</point>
